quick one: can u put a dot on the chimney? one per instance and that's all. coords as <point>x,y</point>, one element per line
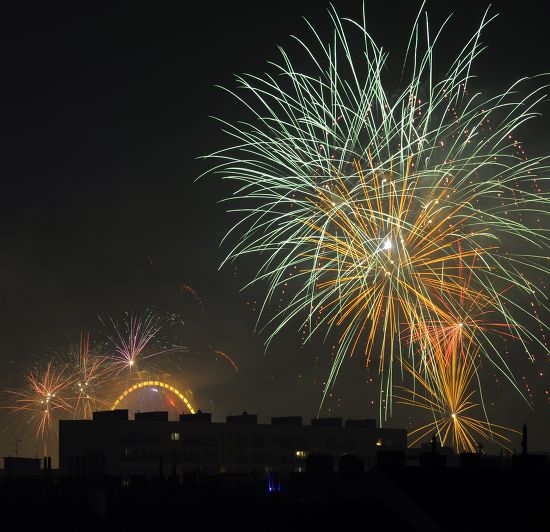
<point>524,439</point>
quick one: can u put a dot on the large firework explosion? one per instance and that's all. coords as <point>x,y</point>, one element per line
<point>389,213</point>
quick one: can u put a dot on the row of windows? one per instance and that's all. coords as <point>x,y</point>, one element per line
<point>246,441</point>
<point>212,456</point>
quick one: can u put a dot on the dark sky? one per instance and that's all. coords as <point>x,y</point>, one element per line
<point>104,111</point>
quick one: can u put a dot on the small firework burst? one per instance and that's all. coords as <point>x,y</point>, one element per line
<point>90,373</point>
<point>45,396</point>
<point>446,390</point>
<point>133,340</point>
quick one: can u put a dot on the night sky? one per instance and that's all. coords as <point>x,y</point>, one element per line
<point>105,111</point>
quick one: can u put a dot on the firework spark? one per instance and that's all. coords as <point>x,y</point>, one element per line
<point>373,205</point>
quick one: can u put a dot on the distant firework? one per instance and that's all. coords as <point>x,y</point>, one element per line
<point>390,212</point>
<point>133,341</point>
<point>45,396</point>
<point>89,376</point>
<point>124,362</point>
<point>90,373</point>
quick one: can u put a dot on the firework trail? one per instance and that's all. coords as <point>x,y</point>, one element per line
<point>373,206</point>
<point>225,356</point>
<point>186,289</point>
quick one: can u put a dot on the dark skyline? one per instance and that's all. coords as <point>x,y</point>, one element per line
<point>105,113</point>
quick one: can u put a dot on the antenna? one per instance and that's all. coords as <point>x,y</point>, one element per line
<point>17,442</point>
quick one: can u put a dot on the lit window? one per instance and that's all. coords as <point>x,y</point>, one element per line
<point>378,442</point>
<point>301,454</point>
<point>175,436</point>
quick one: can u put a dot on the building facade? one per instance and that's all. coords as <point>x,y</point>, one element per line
<point>111,444</point>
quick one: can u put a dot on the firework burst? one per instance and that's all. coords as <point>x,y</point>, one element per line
<point>135,340</point>
<point>45,396</point>
<point>374,205</point>
<point>465,316</point>
<point>90,373</point>
<point>446,390</point>
<point>132,340</point>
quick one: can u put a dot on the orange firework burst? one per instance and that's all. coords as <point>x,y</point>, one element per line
<point>466,316</point>
<point>45,396</point>
<point>447,392</point>
<point>387,247</point>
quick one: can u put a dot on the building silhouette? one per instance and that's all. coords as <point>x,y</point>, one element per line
<point>111,444</point>
<point>21,466</point>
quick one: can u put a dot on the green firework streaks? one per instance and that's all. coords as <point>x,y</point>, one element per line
<point>384,208</point>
